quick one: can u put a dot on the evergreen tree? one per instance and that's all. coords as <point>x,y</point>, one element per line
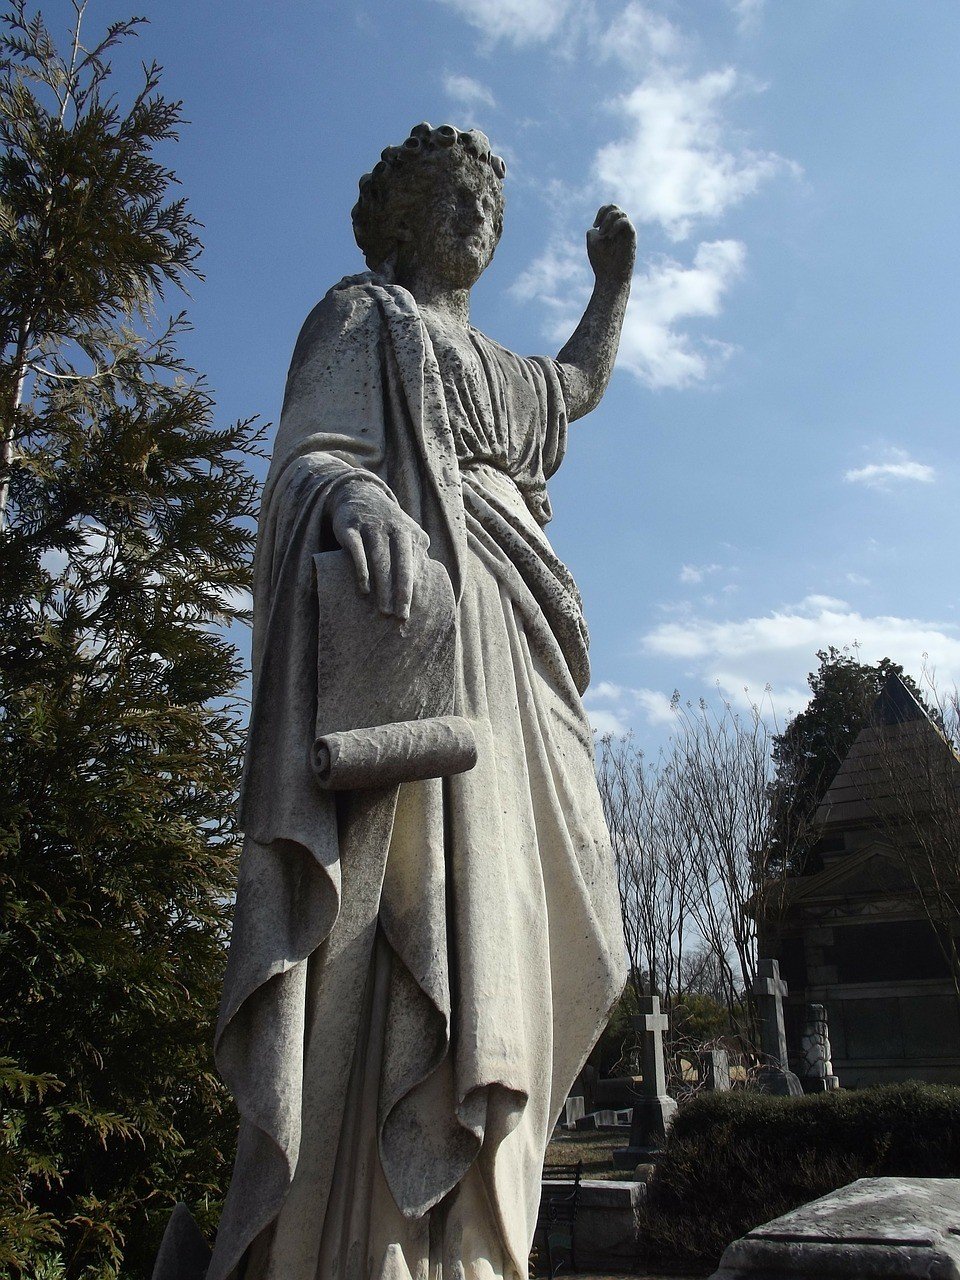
<point>124,553</point>
<point>810,750</point>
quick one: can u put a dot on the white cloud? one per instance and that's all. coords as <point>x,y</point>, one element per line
<point>673,165</point>
<point>638,35</point>
<point>899,466</point>
<point>519,21</point>
<point>664,292</point>
<point>604,722</point>
<point>656,706</point>
<point>558,278</point>
<point>467,92</point>
<point>652,347</point>
<point>694,573</point>
<point>623,705</point>
<point>605,691</point>
<point>748,13</point>
<point>777,649</point>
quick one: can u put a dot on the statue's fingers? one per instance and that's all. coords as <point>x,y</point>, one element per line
<point>352,543</point>
<point>612,219</point>
<point>377,547</point>
<point>401,548</point>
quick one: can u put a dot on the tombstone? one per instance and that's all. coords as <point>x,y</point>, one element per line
<point>898,1228</point>
<point>768,991</point>
<point>816,1068</point>
<point>653,1109</point>
<point>573,1110</point>
<point>184,1253</point>
<point>715,1070</point>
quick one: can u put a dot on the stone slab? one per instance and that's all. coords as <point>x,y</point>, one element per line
<point>606,1227</point>
<point>888,1228</point>
<point>573,1110</point>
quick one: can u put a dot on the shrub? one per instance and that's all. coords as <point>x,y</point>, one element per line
<point>736,1160</point>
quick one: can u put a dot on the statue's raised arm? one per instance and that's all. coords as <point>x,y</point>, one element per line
<point>427,938</point>
<point>587,359</point>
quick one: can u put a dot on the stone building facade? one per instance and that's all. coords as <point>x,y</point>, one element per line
<point>855,936</point>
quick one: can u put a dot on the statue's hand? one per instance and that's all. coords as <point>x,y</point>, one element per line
<point>387,547</point>
<point>612,245</point>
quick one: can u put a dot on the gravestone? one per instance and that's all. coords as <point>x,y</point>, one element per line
<point>816,1067</point>
<point>653,1109</point>
<point>898,1228</point>
<point>768,991</point>
<point>184,1254</point>
<point>573,1110</point>
<point>715,1070</point>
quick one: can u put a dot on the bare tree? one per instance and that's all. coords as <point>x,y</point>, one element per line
<point>691,834</point>
<point>653,869</point>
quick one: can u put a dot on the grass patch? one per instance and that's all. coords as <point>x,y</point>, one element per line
<point>594,1147</point>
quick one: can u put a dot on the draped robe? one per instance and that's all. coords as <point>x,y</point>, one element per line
<point>400,1034</point>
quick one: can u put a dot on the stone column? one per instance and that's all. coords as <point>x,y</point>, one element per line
<point>816,1070</point>
<point>768,992</point>
<point>653,1109</point>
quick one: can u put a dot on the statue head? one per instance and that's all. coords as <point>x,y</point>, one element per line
<point>438,197</point>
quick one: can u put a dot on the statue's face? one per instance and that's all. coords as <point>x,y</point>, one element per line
<point>453,231</point>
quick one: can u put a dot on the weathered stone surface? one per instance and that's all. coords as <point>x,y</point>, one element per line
<point>816,1068</point>
<point>715,1070</point>
<point>573,1110</point>
<point>889,1228</point>
<point>400,1032</point>
<point>606,1228</point>
<point>768,992</point>
<point>184,1253</point>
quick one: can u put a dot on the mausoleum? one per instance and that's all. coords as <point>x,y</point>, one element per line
<point>869,934</point>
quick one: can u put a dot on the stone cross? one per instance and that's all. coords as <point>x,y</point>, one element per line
<point>651,1024</point>
<point>768,991</point>
<point>653,1110</point>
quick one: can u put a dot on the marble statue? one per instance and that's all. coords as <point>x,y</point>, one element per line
<point>427,938</point>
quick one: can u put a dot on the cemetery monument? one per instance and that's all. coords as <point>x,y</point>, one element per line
<point>427,938</point>
<point>768,991</point>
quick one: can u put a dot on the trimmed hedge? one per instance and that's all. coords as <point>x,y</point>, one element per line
<point>736,1160</point>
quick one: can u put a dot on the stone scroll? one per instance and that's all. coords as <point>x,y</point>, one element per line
<point>392,753</point>
<point>385,688</point>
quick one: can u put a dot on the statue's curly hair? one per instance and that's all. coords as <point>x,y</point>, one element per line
<point>401,179</point>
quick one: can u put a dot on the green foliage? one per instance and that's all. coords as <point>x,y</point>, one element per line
<point>124,553</point>
<point>698,1018</point>
<point>736,1160</point>
<point>811,748</point>
<point>618,1037</point>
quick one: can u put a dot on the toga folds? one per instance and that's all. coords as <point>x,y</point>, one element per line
<point>400,1033</point>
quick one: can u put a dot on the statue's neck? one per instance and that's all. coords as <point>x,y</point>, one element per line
<point>451,307</point>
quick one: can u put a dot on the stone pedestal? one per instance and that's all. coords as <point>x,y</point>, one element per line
<point>816,1067</point>
<point>895,1228</point>
<point>606,1224</point>
<point>653,1110</point>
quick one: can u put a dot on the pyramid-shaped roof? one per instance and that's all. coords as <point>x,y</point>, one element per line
<point>891,763</point>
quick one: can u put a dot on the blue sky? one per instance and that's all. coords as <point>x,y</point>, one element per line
<point>774,467</point>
